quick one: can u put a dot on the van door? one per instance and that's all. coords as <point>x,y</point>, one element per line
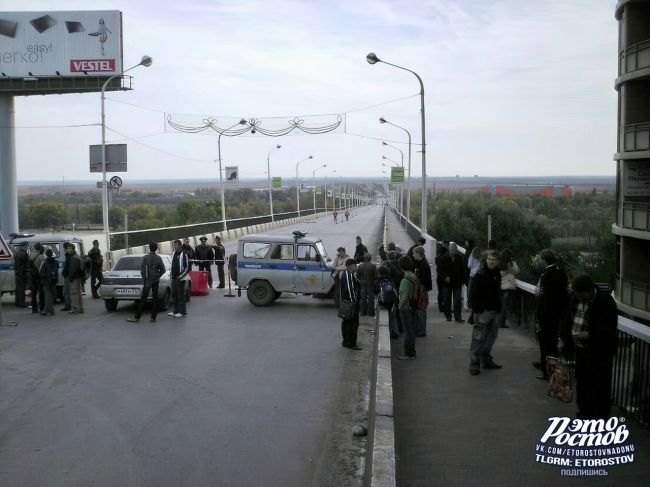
<point>309,270</point>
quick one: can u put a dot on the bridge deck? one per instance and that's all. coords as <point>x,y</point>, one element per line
<point>457,429</point>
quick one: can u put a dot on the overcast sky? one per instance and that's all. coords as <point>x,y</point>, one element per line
<point>512,88</point>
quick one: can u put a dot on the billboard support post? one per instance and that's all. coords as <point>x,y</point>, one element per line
<point>146,61</point>
<point>8,189</point>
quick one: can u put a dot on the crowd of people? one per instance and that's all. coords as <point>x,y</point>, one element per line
<point>578,321</point>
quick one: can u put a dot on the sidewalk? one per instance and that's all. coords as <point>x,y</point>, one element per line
<point>455,429</point>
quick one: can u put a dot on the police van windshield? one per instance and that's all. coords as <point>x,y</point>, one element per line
<point>321,250</point>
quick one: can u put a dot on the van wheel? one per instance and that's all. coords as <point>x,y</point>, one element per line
<point>260,293</point>
<point>111,304</point>
<point>165,301</point>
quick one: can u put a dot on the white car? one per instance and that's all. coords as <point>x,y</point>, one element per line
<point>124,283</point>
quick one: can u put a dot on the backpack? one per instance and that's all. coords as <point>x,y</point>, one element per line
<point>419,298</point>
<point>86,267</point>
<point>387,294</point>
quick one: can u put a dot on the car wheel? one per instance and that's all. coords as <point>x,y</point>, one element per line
<point>260,293</point>
<point>111,304</point>
<point>165,300</point>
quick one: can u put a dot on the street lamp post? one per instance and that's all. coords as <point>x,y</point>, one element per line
<point>298,183</point>
<point>313,182</point>
<point>325,192</point>
<point>408,179</point>
<point>268,172</point>
<point>372,59</point>
<point>399,186</point>
<point>146,61</point>
<point>223,197</point>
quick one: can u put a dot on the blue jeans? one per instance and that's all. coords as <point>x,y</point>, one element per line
<point>484,334</point>
<point>408,323</point>
<point>178,297</point>
<point>420,318</point>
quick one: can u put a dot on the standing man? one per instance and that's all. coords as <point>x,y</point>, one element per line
<point>205,255</point>
<point>179,274</point>
<point>367,275</point>
<point>189,251</point>
<point>220,259</point>
<point>420,243</point>
<point>406,311</point>
<point>453,283</point>
<point>75,277</point>
<point>486,303</point>
<point>360,251</point>
<point>337,266</point>
<point>97,265</point>
<point>422,271</point>
<point>589,330</point>
<point>553,295</point>
<point>49,273</point>
<point>66,281</point>
<point>21,270</point>
<point>350,293</point>
<point>35,261</point>
<point>151,270</point>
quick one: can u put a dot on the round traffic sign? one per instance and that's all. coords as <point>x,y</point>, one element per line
<point>116,182</point>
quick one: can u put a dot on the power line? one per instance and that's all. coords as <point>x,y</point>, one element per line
<point>51,126</point>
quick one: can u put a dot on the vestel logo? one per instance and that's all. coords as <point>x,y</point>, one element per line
<point>92,65</point>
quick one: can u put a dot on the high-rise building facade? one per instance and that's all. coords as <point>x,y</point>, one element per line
<point>632,227</point>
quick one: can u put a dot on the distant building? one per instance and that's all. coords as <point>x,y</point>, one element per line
<point>550,191</point>
<point>632,227</point>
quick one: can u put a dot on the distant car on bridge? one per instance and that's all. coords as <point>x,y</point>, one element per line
<point>268,265</point>
<point>124,283</point>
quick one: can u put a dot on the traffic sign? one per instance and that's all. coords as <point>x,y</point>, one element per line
<point>276,182</point>
<point>115,182</point>
<point>396,175</point>
<point>5,251</point>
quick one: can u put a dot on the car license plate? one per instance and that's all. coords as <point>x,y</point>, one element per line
<point>127,292</point>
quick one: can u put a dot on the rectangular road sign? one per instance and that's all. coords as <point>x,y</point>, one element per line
<point>397,175</point>
<point>116,158</point>
<point>276,182</point>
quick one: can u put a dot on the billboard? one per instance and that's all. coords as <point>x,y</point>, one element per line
<point>115,158</point>
<point>63,44</point>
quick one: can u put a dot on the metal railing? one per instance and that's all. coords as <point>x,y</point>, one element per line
<point>634,57</point>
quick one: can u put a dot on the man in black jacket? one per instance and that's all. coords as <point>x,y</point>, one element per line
<point>486,303</point>
<point>151,270</point>
<point>97,264</point>
<point>220,259</point>
<point>551,306</point>
<point>204,254</point>
<point>422,271</point>
<point>360,251</point>
<point>454,269</point>
<point>589,330</point>
<point>21,272</point>
<point>350,293</point>
<point>179,276</point>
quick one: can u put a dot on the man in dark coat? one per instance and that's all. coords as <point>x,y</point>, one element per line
<point>350,292</point>
<point>589,331</point>
<point>97,264</point>
<point>442,271</point>
<point>486,303</point>
<point>204,254</point>
<point>367,275</point>
<point>219,259</point>
<point>359,251</point>
<point>151,270</point>
<point>21,270</point>
<point>551,306</point>
<point>422,271</point>
<point>453,283</point>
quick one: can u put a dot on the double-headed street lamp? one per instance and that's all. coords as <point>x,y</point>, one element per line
<point>313,182</point>
<point>373,59</point>
<point>298,183</point>
<point>408,178</point>
<point>223,197</point>
<point>146,61</point>
<point>268,172</point>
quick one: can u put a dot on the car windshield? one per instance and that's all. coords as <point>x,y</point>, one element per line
<point>321,250</point>
<point>128,264</point>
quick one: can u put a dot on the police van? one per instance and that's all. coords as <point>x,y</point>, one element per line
<point>268,265</point>
<point>55,242</point>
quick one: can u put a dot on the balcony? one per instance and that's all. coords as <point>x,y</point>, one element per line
<point>633,294</point>
<point>635,216</point>
<point>634,58</point>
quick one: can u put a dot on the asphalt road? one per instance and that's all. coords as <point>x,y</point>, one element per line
<point>231,395</point>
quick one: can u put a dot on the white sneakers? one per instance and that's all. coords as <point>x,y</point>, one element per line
<point>177,315</point>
